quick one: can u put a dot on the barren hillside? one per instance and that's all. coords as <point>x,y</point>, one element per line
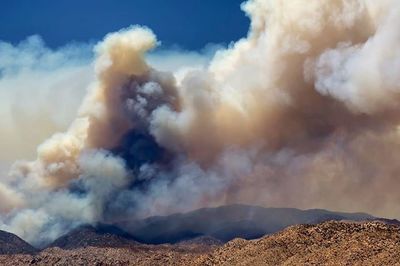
<point>329,243</point>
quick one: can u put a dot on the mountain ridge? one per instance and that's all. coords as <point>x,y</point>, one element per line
<point>217,225</point>
<point>228,222</point>
<point>12,244</point>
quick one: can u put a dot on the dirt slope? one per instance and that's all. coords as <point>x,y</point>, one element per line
<point>139,254</point>
<point>330,243</point>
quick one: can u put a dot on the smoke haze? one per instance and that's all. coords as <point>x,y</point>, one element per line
<point>303,112</point>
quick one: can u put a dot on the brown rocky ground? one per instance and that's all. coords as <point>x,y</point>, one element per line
<point>183,253</point>
<point>329,243</point>
<point>105,256</point>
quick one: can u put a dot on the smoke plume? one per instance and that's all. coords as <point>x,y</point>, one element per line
<point>303,112</point>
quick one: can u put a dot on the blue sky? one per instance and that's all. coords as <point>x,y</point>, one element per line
<point>191,24</point>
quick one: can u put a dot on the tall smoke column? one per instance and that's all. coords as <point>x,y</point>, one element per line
<point>102,120</point>
<point>80,153</point>
<point>301,113</point>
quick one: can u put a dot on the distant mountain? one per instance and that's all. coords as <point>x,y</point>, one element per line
<point>388,221</point>
<point>94,236</point>
<point>204,228</point>
<point>228,222</point>
<point>12,244</point>
<point>329,243</point>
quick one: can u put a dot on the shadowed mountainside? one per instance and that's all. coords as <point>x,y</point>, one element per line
<point>12,244</point>
<point>228,222</point>
<point>90,236</point>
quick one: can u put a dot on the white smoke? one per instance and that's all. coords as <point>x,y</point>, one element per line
<point>40,91</point>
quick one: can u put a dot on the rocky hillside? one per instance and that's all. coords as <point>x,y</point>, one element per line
<point>330,243</point>
<point>134,254</point>
<point>11,244</point>
<point>94,236</point>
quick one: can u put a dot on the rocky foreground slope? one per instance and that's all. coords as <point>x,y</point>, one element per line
<point>329,243</point>
<point>135,254</point>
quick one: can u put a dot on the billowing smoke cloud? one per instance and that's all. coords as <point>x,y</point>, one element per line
<point>40,91</point>
<point>301,113</point>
